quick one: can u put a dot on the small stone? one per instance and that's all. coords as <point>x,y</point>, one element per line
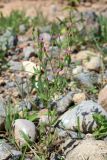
<point>43,116</point>
<point>102,97</point>
<point>16,94</point>
<point>77,70</point>
<point>15,66</point>
<point>27,127</point>
<point>29,67</point>
<point>79,97</point>
<point>94,64</point>
<point>64,102</point>
<point>2,81</point>
<point>7,40</point>
<point>2,114</point>
<point>25,88</point>
<point>38,102</point>
<point>16,154</point>
<point>25,104</point>
<point>22,28</point>
<point>54,51</point>
<point>28,52</point>
<point>10,85</point>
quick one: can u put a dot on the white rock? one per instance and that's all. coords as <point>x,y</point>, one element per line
<point>77,70</point>
<point>25,126</point>
<point>22,28</point>
<point>29,67</point>
<point>28,51</point>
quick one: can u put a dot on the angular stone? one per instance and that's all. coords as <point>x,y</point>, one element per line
<point>64,102</point>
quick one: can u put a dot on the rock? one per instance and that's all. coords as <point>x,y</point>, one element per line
<point>22,28</point>
<point>16,154</point>
<point>79,97</point>
<point>23,105</point>
<point>38,103</point>
<point>7,151</point>
<point>54,51</point>
<point>28,52</point>
<point>26,87</point>
<point>84,112</point>
<point>27,127</point>
<point>61,132</point>
<point>4,150</point>
<point>2,115</point>
<point>94,64</point>
<point>2,81</point>
<point>64,102</point>
<point>83,55</point>
<point>77,70</point>
<point>88,148</point>
<point>87,79</point>
<point>7,40</point>
<point>15,66</point>
<point>102,97</point>
<point>10,85</point>
<point>29,67</point>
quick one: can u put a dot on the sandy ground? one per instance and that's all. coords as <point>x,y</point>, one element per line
<point>50,8</point>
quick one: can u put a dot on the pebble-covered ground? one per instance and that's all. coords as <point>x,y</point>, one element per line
<point>53,75</point>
